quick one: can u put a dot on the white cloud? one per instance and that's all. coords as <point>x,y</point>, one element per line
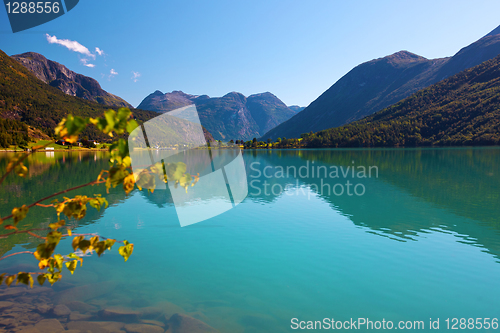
<point>70,44</point>
<point>135,76</point>
<point>85,63</point>
<point>112,73</point>
<point>99,51</point>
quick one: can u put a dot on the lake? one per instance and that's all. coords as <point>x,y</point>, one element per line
<point>415,237</point>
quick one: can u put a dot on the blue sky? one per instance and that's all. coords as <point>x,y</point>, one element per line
<point>294,49</point>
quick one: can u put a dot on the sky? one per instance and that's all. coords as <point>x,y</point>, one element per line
<point>294,49</point>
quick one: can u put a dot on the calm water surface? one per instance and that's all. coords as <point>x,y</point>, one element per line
<point>421,242</point>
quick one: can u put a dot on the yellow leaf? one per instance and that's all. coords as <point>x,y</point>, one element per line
<point>93,241</point>
<point>9,280</point>
<point>126,250</point>
<point>21,170</point>
<point>76,242</point>
<point>71,266</point>
<point>43,264</point>
<point>71,138</point>
<point>128,183</point>
<point>19,213</point>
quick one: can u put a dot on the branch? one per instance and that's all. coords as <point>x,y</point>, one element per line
<point>13,254</point>
<point>95,182</point>
<point>72,234</point>
<point>24,232</point>
<point>22,159</point>
<point>105,238</point>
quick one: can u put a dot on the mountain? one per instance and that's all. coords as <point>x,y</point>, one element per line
<point>232,116</point>
<point>160,102</point>
<point>26,99</point>
<point>67,81</point>
<point>461,110</point>
<point>376,84</point>
<point>296,108</point>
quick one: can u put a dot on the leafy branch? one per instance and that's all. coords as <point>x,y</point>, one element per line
<point>51,264</point>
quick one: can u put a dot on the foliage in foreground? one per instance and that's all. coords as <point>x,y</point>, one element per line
<point>120,173</point>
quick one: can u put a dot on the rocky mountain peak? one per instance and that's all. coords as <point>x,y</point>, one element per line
<point>404,57</point>
<point>67,81</point>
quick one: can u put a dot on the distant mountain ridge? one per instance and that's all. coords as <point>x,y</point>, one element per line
<point>232,116</point>
<point>379,83</point>
<point>296,108</point>
<point>69,82</point>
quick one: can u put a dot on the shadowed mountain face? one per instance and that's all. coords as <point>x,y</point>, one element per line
<point>376,84</point>
<point>232,116</point>
<point>67,81</point>
<point>461,110</point>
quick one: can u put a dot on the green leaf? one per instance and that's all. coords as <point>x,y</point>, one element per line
<point>123,114</point>
<point>53,278</point>
<point>110,243</point>
<point>1,278</point>
<point>132,125</point>
<point>84,245</point>
<point>44,251</point>
<point>73,256</point>
<point>25,278</point>
<point>41,279</point>
<point>98,202</point>
<point>59,259</point>
<point>100,247</point>
<point>53,237</point>
<point>19,213</point>
<point>110,116</point>
<point>56,225</point>
<point>146,180</point>
<point>126,250</point>
<point>71,265</point>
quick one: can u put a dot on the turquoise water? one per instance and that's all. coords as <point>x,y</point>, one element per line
<point>421,242</point>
